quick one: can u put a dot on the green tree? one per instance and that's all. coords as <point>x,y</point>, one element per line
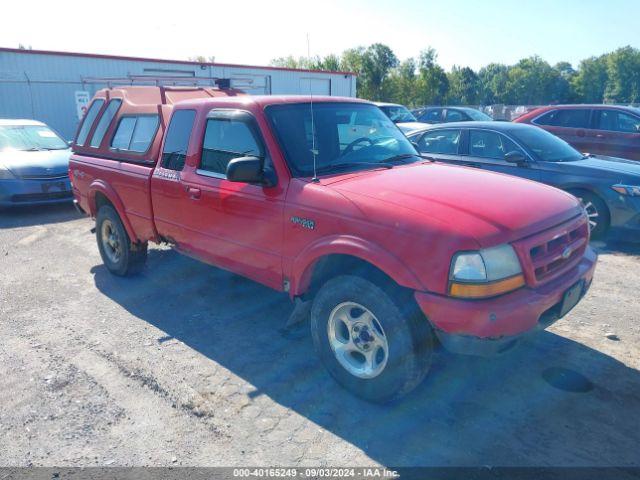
<point>432,82</point>
<point>377,63</point>
<point>532,81</point>
<point>401,84</point>
<point>623,71</point>
<point>493,83</point>
<point>464,86</point>
<point>590,81</point>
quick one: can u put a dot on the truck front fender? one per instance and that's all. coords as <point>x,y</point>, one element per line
<point>392,266</point>
<point>111,195</point>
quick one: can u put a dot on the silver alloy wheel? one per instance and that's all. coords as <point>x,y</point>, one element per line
<point>357,340</point>
<point>592,213</point>
<point>111,242</point>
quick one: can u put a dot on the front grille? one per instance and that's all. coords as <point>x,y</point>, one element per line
<point>547,255</point>
<point>36,197</point>
<point>555,254</point>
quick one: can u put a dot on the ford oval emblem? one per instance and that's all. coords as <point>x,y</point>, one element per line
<point>566,253</point>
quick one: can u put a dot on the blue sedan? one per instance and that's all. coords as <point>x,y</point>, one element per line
<point>34,164</point>
<point>608,187</point>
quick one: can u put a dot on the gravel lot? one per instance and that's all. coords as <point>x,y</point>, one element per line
<point>188,365</point>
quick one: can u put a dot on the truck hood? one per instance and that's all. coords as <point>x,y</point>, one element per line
<point>490,207</point>
<point>44,163</point>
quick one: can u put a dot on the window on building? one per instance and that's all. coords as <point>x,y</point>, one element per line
<point>226,139</point>
<point>88,120</point>
<point>174,152</point>
<point>104,122</point>
<point>135,133</point>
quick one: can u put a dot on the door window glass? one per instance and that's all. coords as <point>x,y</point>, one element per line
<point>440,141</point>
<point>568,118</point>
<point>455,116</point>
<point>174,152</point>
<point>616,121</point>
<point>224,140</point>
<point>486,144</point>
<point>431,115</point>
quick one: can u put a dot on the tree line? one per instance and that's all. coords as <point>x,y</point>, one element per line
<point>610,78</point>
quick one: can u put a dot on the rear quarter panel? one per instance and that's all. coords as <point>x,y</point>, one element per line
<point>126,185</point>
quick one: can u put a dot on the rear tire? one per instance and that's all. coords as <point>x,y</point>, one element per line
<point>119,254</point>
<point>366,342</point>
<point>597,211</point>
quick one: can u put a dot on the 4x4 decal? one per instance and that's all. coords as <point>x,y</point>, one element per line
<point>304,222</point>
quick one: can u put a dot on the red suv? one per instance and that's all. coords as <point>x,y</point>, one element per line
<point>599,129</point>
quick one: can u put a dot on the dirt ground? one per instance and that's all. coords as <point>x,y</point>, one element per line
<point>188,365</point>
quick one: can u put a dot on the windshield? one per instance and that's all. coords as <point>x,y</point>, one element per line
<point>346,135</point>
<point>30,138</point>
<point>398,114</point>
<point>477,115</point>
<point>546,146</point>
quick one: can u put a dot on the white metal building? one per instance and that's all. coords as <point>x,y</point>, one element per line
<point>53,87</point>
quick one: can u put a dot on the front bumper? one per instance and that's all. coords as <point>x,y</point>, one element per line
<point>19,191</point>
<point>489,326</point>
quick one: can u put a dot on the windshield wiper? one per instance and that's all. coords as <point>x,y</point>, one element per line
<point>401,156</point>
<point>342,166</point>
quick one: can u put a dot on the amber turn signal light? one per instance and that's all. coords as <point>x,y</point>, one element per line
<point>485,290</point>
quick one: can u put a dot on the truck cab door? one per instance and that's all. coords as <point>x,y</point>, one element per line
<point>234,225</point>
<point>168,199</point>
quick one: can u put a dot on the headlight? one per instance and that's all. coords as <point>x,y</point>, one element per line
<point>5,174</point>
<point>631,190</point>
<point>485,273</point>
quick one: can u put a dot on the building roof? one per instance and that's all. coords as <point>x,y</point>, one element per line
<point>160,60</point>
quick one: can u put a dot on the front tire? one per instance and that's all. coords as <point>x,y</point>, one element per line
<point>597,213</point>
<point>365,341</point>
<point>119,254</point>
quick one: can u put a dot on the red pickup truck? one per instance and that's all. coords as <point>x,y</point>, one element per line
<point>324,198</point>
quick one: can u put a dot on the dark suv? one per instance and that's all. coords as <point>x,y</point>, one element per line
<point>600,129</point>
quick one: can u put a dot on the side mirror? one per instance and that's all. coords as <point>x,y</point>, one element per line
<point>248,170</point>
<point>515,157</point>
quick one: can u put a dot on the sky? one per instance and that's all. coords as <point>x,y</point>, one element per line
<point>463,32</point>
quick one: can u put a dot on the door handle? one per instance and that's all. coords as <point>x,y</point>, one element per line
<point>470,164</point>
<point>599,135</point>
<point>194,192</point>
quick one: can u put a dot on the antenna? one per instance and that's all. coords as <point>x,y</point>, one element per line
<point>313,124</point>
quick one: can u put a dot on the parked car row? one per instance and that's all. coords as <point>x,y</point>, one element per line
<point>325,199</point>
<point>609,188</point>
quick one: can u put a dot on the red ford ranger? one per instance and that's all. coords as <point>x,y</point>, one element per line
<point>325,199</point>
